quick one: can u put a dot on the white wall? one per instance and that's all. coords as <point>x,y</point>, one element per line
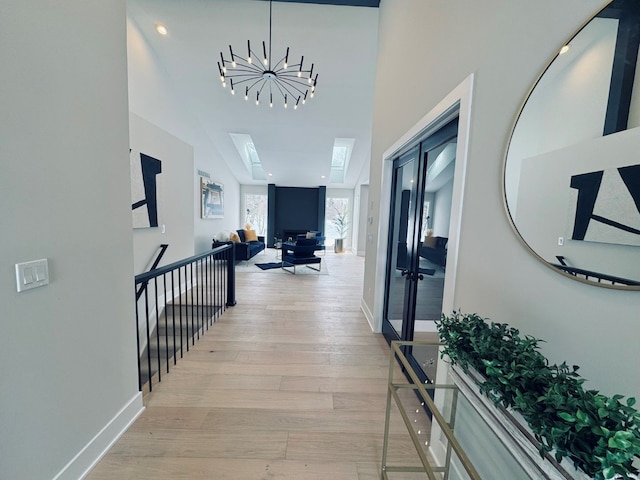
<point>175,196</point>
<point>506,44</point>
<point>153,97</point>
<point>68,349</point>
<point>363,219</point>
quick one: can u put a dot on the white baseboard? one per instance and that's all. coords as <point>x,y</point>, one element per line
<point>367,313</point>
<point>455,469</point>
<point>437,449</point>
<point>87,458</point>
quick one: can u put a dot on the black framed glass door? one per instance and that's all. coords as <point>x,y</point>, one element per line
<point>422,186</point>
<point>403,201</point>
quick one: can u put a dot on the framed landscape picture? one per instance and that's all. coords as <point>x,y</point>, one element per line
<point>212,198</point>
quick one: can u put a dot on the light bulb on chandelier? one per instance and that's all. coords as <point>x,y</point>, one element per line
<point>289,80</point>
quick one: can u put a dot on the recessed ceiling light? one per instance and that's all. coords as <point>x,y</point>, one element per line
<point>322,176</point>
<point>161,29</point>
<point>565,49</point>
<point>270,174</point>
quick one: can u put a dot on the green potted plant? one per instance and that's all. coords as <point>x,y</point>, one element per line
<point>600,435</point>
<point>340,222</point>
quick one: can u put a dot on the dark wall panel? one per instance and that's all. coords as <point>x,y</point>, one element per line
<point>322,204</point>
<point>296,210</point>
<point>271,215</point>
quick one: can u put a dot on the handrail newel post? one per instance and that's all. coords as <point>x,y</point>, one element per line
<point>231,276</point>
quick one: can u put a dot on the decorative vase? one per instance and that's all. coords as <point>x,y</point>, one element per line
<point>339,246</point>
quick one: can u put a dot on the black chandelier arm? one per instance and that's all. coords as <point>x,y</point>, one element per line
<point>295,68</point>
<point>289,87</point>
<point>257,65</point>
<point>297,83</point>
<point>248,89</point>
<point>259,58</point>
<point>245,80</point>
<point>242,73</point>
<point>289,72</point>
<point>244,66</point>
<point>264,82</point>
<point>295,78</point>
<point>293,75</point>
<point>280,88</point>
<point>277,67</point>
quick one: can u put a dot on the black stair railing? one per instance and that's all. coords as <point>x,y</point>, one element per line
<point>156,262</point>
<point>591,275</point>
<point>177,303</point>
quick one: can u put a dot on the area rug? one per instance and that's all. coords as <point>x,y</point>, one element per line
<point>268,266</point>
<point>273,268</point>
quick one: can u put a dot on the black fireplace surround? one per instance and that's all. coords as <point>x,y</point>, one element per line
<point>294,211</point>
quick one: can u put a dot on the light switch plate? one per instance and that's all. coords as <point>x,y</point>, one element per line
<point>32,274</point>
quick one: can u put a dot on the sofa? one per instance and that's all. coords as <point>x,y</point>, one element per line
<point>434,249</point>
<point>246,248</point>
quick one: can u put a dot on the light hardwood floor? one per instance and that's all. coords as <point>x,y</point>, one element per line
<point>289,384</point>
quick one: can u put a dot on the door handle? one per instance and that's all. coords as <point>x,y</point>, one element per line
<point>411,275</point>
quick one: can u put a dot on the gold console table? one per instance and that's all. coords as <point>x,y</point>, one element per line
<point>435,464</point>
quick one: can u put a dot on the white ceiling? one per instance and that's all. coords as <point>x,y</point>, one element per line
<point>295,146</point>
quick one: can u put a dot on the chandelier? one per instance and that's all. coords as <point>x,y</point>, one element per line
<point>291,83</point>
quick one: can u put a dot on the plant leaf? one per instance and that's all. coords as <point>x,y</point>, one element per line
<point>567,417</point>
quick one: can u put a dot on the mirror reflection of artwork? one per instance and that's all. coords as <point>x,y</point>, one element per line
<point>571,173</point>
<point>607,207</point>
<point>145,171</point>
<point>212,194</point>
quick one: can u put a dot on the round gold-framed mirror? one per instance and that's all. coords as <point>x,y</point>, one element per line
<point>572,167</point>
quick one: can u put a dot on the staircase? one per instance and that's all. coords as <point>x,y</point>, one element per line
<point>189,296</point>
<point>179,325</point>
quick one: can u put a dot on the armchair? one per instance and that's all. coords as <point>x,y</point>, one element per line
<point>300,253</point>
<point>317,236</point>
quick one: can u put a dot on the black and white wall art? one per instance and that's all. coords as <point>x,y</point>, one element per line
<point>145,189</point>
<point>605,206</point>
<point>212,198</point>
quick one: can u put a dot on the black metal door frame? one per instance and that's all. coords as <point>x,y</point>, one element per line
<point>411,272</point>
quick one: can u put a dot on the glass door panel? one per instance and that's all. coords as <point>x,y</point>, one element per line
<point>437,193</point>
<point>403,203</point>
<point>421,197</point>
<point>432,250</point>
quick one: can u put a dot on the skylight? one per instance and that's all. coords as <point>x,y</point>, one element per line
<point>247,150</point>
<point>342,148</point>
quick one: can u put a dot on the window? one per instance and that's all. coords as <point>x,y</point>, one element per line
<point>337,219</point>
<point>427,223</point>
<point>255,207</point>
